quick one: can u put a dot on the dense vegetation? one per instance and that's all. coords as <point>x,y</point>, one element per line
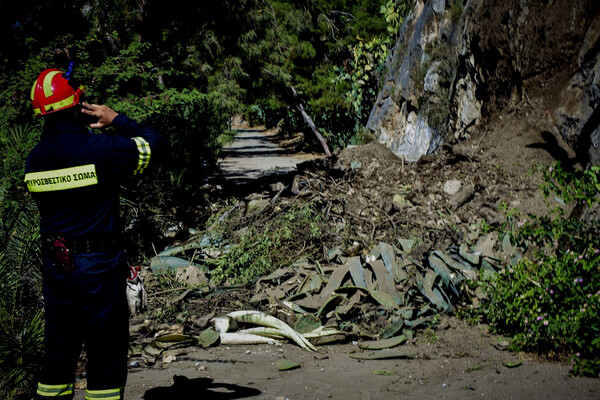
<point>550,301</point>
<point>187,68</point>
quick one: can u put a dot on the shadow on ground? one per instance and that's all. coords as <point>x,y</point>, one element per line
<point>200,388</point>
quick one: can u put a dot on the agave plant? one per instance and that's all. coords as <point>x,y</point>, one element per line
<point>21,315</point>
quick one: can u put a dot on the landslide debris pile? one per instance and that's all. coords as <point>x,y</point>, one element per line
<point>399,244</point>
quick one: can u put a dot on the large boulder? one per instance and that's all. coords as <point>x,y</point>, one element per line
<point>455,63</point>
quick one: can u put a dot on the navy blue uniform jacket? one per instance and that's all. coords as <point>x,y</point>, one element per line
<point>74,174</point>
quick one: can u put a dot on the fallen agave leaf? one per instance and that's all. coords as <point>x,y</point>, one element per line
<point>208,337</point>
<point>307,323</point>
<point>452,263</point>
<point>224,323</point>
<point>440,267</point>
<point>472,258</point>
<point>312,283</point>
<point>389,256</point>
<point>327,338</point>
<point>512,364</point>
<point>392,329</point>
<point>381,355</point>
<point>264,331</point>
<point>419,321</point>
<point>383,372</point>
<point>158,345</point>
<point>334,282</point>
<point>304,301</point>
<point>385,282</point>
<point>260,318</point>
<point>433,293</point>
<point>407,244</point>
<point>330,305</point>
<point>286,365</point>
<point>383,344</point>
<point>384,299</point>
<point>357,272</point>
<point>134,350</point>
<point>239,338</point>
<point>333,253</point>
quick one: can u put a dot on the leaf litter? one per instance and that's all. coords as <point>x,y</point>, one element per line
<point>397,252</point>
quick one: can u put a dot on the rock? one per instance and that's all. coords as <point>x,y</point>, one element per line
<point>431,81</point>
<point>452,187</point>
<point>399,202</point>
<point>169,359</point>
<point>406,133</point>
<point>485,245</point>
<point>276,187</point>
<point>439,6</point>
<point>462,150</point>
<point>257,206</point>
<point>469,108</point>
<point>462,196</point>
<point>191,275</point>
<point>490,216</point>
<point>484,61</point>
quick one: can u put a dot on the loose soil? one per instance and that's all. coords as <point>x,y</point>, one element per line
<point>502,165</point>
<point>456,361</point>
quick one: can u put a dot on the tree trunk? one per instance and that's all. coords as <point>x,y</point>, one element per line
<point>310,122</point>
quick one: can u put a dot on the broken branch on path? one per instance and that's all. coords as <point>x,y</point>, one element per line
<point>310,122</point>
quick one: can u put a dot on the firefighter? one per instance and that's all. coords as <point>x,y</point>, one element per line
<point>74,174</point>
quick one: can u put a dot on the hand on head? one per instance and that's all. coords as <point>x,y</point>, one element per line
<point>104,114</point>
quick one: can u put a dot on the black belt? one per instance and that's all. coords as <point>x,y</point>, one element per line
<point>85,245</point>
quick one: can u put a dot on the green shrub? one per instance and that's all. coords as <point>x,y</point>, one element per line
<point>21,316</point>
<point>553,306</point>
<point>258,252</point>
<point>550,301</point>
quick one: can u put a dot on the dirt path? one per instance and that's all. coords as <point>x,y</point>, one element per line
<point>255,154</point>
<point>457,361</point>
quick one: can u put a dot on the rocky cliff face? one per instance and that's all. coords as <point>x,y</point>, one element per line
<point>457,64</point>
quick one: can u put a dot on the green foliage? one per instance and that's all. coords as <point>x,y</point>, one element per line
<point>434,105</point>
<point>21,319</point>
<point>15,144</point>
<point>20,354</point>
<point>367,65</point>
<point>456,10</point>
<point>394,12</point>
<point>361,78</point>
<point>552,303</point>
<point>187,70</point>
<point>257,252</point>
<point>553,306</point>
<point>573,186</point>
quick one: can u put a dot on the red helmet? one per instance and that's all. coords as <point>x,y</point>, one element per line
<point>52,92</point>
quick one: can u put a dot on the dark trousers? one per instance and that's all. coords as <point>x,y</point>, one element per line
<point>86,307</point>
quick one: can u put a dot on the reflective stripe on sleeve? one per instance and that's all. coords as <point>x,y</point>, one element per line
<point>108,394</point>
<point>54,390</point>
<point>62,179</point>
<point>144,157</point>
